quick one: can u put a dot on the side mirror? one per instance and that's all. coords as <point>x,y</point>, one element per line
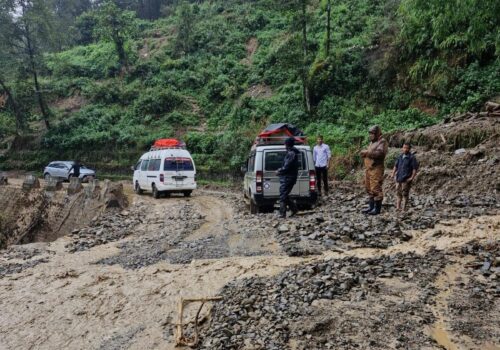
<point>243,169</point>
<point>132,168</point>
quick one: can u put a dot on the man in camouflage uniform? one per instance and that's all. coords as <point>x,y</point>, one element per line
<point>374,157</point>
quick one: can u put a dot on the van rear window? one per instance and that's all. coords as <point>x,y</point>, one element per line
<point>178,164</point>
<point>274,160</point>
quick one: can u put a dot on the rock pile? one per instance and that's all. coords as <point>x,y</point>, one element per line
<point>269,313</point>
<point>161,240</point>
<point>111,226</point>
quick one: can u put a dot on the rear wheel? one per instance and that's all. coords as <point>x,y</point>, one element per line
<point>187,193</point>
<point>254,208</point>
<point>46,176</point>
<point>137,188</point>
<point>156,193</point>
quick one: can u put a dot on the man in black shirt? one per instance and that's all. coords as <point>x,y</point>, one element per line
<point>403,173</point>
<point>76,169</point>
<point>288,177</point>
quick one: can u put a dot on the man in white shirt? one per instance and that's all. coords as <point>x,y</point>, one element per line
<point>321,156</point>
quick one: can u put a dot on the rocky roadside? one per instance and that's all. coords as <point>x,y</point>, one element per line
<point>273,313</point>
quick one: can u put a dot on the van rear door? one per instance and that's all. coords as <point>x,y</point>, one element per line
<point>273,160</point>
<point>179,171</point>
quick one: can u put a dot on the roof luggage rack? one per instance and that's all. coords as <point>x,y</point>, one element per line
<point>277,140</point>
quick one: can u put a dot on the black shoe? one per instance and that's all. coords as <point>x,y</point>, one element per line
<point>376,210</point>
<point>371,204</point>
<point>293,208</point>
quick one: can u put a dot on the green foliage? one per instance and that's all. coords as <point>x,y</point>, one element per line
<point>98,61</point>
<point>216,72</point>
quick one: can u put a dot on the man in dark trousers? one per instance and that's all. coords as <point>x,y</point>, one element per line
<point>321,157</point>
<point>76,169</point>
<point>405,170</point>
<point>288,177</point>
<point>374,157</point>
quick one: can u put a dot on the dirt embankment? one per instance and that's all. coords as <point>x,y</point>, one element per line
<point>40,215</point>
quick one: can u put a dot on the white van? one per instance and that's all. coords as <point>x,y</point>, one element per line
<point>165,171</point>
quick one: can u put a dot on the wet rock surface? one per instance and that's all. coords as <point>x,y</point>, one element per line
<point>475,302</point>
<point>273,313</point>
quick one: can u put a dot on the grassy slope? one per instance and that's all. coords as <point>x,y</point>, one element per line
<point>241,72</point>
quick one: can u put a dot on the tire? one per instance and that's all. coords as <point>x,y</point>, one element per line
<point>167,194</point>
<point>254,208</point>
<point>187,193</point>
<point>156,193</point>
<point>266,209</point>
<point>46,176</point>
<point>137,188</point>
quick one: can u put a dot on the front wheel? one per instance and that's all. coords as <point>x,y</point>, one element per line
<point>156,193</point>
<point>46,176</point>
<point>187,193</point>
<point>137,188</point>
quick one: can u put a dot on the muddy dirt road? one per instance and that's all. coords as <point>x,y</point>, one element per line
<point>309,283</point>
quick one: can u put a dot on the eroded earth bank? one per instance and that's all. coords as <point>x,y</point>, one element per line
<point>330,278</point>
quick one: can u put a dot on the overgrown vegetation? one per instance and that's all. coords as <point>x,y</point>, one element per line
<point>216,72</point>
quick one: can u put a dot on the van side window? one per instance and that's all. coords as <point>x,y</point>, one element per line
<point>154,165</point>
<point>274,160</point>
<point>251,163</point>
<point>178,164</point>
<point>144,165</point>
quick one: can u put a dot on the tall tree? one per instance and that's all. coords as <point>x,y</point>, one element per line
<point>185,27</point>
<point>28,31</point>
<point>116,25</point>
<point>305,64</point>
<point>7,62</point>
<point>328,27</point>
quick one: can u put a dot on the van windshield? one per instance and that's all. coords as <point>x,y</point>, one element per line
<point>178,164</point>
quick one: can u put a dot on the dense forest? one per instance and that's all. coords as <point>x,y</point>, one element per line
<point>100,80</point>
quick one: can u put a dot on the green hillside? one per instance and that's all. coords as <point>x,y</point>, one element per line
<point>214,73</point>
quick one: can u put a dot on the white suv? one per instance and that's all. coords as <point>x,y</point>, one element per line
<point>165,171</point>
<point>261,183</point>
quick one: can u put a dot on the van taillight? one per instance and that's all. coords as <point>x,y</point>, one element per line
<point>162,178</point>
<point>312,180</point>
<point>258,181</point>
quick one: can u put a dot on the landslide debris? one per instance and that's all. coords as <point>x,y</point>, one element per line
<point>377,301</point>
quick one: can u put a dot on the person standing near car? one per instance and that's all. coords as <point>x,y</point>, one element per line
<point>76,169</point>
<point>321,157</point>
<point>374,157</point>
<point>404,171</point>
<point>288,174</point>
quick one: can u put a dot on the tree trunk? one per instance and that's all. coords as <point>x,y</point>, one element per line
<point>305,88</point>
<point>15,107</point>
<point>328,27</point>
<point>39,96</point>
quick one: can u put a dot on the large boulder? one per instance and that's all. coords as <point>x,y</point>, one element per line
<point>53,184</point>
<point>114,196</point>
<point>75,186</point>
<point>30,182</point>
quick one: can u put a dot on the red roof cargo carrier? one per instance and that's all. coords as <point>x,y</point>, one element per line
<point>167,143</point>
<point>276,134</point>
